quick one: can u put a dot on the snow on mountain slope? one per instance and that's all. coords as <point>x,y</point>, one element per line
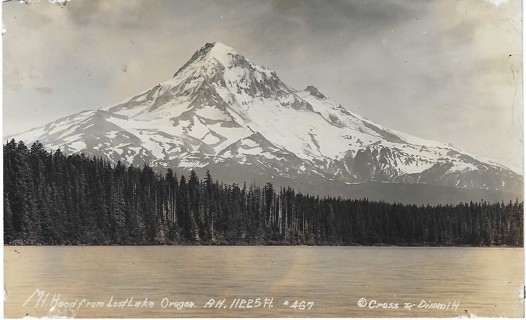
<point>221,110</point>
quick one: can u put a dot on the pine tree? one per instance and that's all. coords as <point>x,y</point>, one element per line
<point>210,208</point>
<point>9,233</point>
<point>196,209</point>
<point>172,200</point>
<point>187,218</point>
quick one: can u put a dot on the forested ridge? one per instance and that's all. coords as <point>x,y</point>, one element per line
<point>53,198</point>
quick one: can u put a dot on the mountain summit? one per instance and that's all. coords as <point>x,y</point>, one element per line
<point>223,112</point>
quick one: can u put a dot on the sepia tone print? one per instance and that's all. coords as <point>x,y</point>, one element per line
<point>266,159</point>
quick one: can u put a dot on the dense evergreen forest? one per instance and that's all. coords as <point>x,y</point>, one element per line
<point>52,198</point>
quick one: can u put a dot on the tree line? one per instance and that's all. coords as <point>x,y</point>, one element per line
<point>51,198</point>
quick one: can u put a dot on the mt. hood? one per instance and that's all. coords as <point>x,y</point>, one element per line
<point>224,113</point>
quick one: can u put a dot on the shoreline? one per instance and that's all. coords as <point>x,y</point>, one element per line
<point>258,245</point>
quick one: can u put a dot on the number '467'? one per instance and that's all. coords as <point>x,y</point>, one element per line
<point>302,305</point>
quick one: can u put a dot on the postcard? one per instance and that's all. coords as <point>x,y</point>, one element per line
<point>263,158</point>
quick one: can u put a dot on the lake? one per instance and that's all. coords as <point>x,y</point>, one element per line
<point>194,281</point>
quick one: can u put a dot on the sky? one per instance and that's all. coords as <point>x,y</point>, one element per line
<point>444,70</point>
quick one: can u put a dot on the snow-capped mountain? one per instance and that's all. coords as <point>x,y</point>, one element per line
<point>223,112</point>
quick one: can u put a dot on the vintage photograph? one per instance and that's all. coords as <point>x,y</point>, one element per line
<point>263,158</point>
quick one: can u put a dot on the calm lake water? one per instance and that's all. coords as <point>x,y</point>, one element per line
<point>43,281</point>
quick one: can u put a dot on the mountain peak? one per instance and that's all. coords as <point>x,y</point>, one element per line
<point>220,48</point>
<point>221,52</point>
<point>212,50</point>
<point>216,50</point>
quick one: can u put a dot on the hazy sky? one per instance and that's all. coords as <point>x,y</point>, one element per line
<point>443,70</point>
